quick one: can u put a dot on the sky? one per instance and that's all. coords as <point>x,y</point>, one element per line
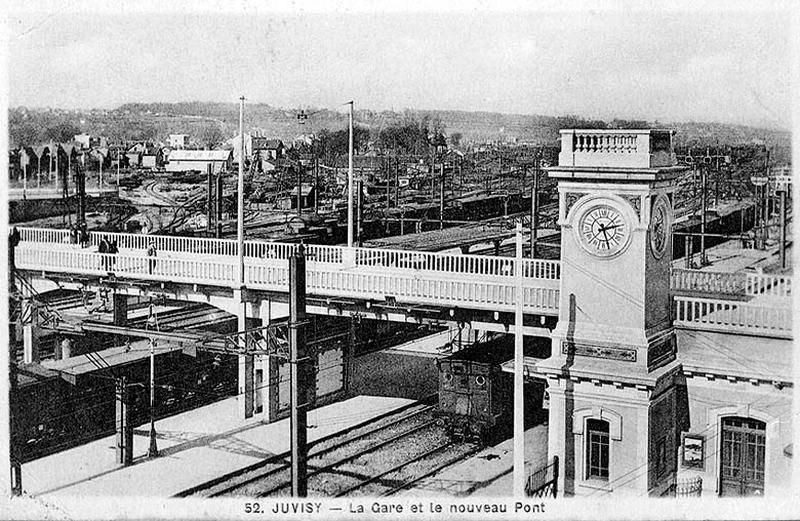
<point>603,60</point>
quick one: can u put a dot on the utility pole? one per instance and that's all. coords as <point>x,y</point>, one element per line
<point>396,182</point>
<point>299,373</point>
<point>316,183</point>
<point>299,190</point>
<point>350,182</point>
<point>240,199</point>
<point>703,203</point>
<point>441,195</point>
<point>387,169</point>
<point>783,229</point>
<point>535,208</point>
<point>519,381</point>
<point>210,201</point>
<point>219,194</point>
<point>8,428</point>
<point>246,361</point>
<point>360,209</point>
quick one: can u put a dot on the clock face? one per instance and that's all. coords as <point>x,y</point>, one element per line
<point>659,227</point>
<point>602,230</point>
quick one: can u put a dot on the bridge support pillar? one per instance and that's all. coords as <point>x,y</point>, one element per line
<point>120,309</point>
<point>246,372</point>
<point>30,332</point>
<point>267,371</point>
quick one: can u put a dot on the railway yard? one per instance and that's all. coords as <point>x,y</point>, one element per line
<point>406,399</point>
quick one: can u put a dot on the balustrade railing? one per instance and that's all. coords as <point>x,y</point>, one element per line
<point>455,264</point>
<point>322,278</point>
<point>728,315</point>
<point>592,142</point>
<point>767,284</point>
<point>708,282</point>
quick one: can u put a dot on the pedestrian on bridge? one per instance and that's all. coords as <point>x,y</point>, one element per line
<point>103,249</point>
<point>84,235</point>
<point>113,250</point>
<point>151,252</point>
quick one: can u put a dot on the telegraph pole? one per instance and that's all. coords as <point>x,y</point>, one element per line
<point>519,381</point>
<point>359,210</point>
<point>210,201</point>
<point>396,182</point>
<point>350,182</point>
<point>246,361</point>
<point>299,372</point>
<point>783,229</point>
<point>703,203</point>
<point>240,197</point>
<point>441,195</point>
<point>535,208</point>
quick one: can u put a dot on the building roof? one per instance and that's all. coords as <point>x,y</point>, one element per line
<point>200,155</point>
<point>306,189</point>
<point>735,355</point>
<point>268,144</point>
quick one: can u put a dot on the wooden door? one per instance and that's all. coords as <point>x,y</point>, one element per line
<point>742,462</point>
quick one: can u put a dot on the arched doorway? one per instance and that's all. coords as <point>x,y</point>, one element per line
<point>743,443</point>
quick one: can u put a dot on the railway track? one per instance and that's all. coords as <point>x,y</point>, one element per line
<point>381,455</point>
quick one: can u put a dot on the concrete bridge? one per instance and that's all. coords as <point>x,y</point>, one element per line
<point>382,283</point>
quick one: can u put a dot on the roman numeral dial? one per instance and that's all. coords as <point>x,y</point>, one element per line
<point>602,230</point>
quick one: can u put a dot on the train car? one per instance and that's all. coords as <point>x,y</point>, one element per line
<point>476,395</point>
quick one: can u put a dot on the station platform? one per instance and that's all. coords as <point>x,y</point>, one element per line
<point>195,447</point>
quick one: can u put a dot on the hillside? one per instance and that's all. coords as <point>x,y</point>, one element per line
<point>209,121</point>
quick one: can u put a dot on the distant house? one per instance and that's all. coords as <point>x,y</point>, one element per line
<point>269,148</point>
<point>271,164</point>
<point>83,140</point>
<point>179,140</point>
<point>185,160</point>
<point>152,157</point>
<point>98,157</point>
<point>307,194</point>
<point>235,143</point>
<point>28,161</point>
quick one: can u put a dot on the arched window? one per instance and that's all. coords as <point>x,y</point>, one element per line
<point>597,441</point>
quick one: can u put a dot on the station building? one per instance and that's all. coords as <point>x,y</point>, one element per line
<point>650,392</point>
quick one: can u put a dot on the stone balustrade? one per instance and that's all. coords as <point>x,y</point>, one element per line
<point>616,148</point>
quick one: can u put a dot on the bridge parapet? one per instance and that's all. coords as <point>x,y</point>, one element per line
<point>445,264</point>
<point>733,317</point>
<point>456,289</point>
<point>740,283</point>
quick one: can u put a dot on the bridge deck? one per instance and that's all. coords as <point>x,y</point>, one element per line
<point>704,300</point>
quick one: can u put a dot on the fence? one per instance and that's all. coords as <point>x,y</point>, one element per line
<point>544,481</point>
<point>689,487</point>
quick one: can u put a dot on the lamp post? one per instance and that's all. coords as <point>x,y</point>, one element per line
<point>152,452</point>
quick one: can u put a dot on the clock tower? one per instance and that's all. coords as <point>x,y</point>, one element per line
<point>612,371</point>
